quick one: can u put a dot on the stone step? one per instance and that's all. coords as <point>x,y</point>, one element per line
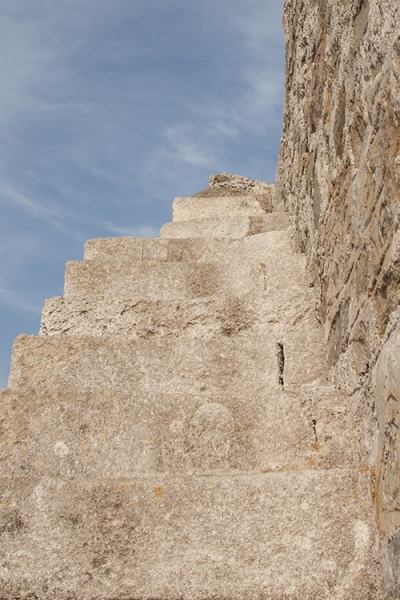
<point>278,275</point>
<point>212,207</point>
<point>132,317</point>
<point>244,364</point>
<point>86,279</point>
<point>228,227</point>
<point>65,433</point>
<point>147,538</point>
<point>187,249</point>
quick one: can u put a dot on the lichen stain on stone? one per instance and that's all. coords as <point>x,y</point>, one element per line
<point>159,492</point>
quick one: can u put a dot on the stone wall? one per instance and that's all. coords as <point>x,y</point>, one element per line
<point>339,177</point>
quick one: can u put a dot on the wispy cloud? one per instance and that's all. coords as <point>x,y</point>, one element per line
<point>147,231</point>
<point>31,206</point>
<point>18,300</point>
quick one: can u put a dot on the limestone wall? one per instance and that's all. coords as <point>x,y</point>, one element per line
<point>339,177</point>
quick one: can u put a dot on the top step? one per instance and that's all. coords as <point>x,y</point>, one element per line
<point>232,207</point>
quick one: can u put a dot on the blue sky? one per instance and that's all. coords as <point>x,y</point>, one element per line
<point>111,108</point>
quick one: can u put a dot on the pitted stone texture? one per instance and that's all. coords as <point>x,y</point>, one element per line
<point>264,195</point>
<point>228,227</point>
<point>186,209</point>
<point>265,245</point>
<point>165,364</point>
<point>262,313</point>
<point>239,183</point>
<point>185,281</point>
<point>104,434</point>
<point>154,280</point>
<point>162,250</point>
<point>174,537</point>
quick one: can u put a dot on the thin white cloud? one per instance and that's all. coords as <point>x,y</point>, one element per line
<point>185,145</point>
<point>33,207</point>
<point>213,125</point>
<point>18,300</point>
<point>57,217</point>
<point>264,96</point>
<point>146,231</point>
<point>202,140</point>
<point>257,22</point>
<point>22,62</point>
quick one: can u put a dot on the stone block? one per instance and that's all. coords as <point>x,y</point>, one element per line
<point>228,227</point>
<point>148,279</point>
<point>119,435</point>
<point>188,537</point>
<point>245,272</point>
<point>310,345</point>
<point>257,313</point>
<point>188,209</point>
<point>190,249</point>
<point>248,362</point>
<point>246,365</point>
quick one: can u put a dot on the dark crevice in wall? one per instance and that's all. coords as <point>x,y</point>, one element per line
<point>314,426</point>
<point>281,363</point>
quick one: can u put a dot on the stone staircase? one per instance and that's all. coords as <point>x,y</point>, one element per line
<point>171,433</point>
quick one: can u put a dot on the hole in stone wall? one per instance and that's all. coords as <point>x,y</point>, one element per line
<point>314,426</point>
<point>281,363</point>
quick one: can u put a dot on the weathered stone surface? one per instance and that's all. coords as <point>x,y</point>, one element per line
<point>258,284</point>
<point>113,435</point>
<point>211,207</point>
<point>172,433</point>
<point>234,182</point>
<point>186,280</point>
<point>188,249</point>
<point>198,537</point>
<point>261,313</point>
<point>163,364</point>
<point>227,227</point>
<point>386,388</point>
<point>337,168</point>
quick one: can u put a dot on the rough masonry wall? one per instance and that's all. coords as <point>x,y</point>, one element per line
<point>339,177</point>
